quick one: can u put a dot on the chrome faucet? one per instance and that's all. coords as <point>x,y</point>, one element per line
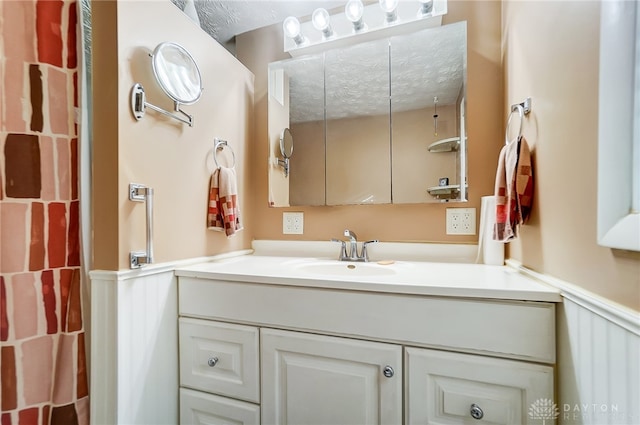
<point>353,244</point>
<point>352,255</point>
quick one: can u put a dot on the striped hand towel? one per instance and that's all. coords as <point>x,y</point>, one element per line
<point>513,190</point>
<point>224,211</point>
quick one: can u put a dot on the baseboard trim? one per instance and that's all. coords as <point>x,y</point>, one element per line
<point>605,308</point>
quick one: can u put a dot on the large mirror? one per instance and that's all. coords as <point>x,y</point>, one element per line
<point>378,122</point>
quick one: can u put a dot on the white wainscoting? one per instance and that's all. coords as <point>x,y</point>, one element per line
<point>134,344</point>
<point>598,345</point>
<point>134,368</point>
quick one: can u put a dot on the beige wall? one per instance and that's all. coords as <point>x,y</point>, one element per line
<point>104,210</point>
<point>173,158</point>
<point>551,54</point>
<point>423,222</point>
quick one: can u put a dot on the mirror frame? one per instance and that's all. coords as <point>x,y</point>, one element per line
<point>618,224</point>
<point>161,82</point>
<point>283,135</point>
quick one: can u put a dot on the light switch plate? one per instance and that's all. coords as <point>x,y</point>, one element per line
<point>292,223</point>
<point>461,221</point>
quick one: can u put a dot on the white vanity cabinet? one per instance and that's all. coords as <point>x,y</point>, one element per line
<point>335,356</point>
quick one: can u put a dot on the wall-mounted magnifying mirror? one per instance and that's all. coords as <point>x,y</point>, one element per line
<point>286,150</point>
<point>178,75</point>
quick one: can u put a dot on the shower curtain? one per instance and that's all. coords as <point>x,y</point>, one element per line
<point>43,362</point>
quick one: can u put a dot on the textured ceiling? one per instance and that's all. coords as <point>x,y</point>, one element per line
<point>224,19</point>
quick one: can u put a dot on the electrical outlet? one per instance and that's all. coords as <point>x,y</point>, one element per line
<point>292,223</point>
<point>461,221</point>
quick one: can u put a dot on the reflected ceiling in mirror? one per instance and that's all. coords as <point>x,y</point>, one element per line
<point>330,115</point>
<point>424,67</point>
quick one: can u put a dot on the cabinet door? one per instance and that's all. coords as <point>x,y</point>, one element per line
<point>452,388</point>
<point>313,379</point>
<point>199,408</point>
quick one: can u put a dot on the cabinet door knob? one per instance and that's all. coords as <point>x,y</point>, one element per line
<point>476,412</point>
<point>212,361</point>
<point>388,371</point>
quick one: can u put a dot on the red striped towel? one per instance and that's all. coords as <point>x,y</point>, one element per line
<point>513,190</point>
<point>224,211</point>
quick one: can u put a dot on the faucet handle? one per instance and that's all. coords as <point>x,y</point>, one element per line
<point>365,255</point>
<point>343,249</point>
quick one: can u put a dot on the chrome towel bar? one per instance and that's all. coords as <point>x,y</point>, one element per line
<point>141,193</point>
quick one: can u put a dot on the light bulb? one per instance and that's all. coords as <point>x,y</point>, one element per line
<point>389,7</point>
<point>354,10</point>
<point>322,22</point>
<point>426,7</point>
<point>291,27</point>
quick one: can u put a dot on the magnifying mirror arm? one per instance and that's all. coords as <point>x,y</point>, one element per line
<point>139,104</point>
<point>285,164</point>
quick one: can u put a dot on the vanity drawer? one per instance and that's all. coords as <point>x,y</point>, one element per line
<point>444,387</point>
<point>219,358</point>
<point>202,408</point>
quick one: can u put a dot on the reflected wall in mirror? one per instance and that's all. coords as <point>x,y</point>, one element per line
<point>296,101</point>
<point>357,124</point>
<point>428,82</point>
<point>363,121</point>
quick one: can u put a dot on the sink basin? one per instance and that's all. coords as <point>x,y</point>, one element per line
<point>345,269</point>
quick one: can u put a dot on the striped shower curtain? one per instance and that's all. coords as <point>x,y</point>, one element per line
<point>43,362</point>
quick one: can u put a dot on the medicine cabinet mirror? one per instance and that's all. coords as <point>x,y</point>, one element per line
<point>376,123</point>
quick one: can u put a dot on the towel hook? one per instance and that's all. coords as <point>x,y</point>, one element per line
<point>220,144</point>
<point>523,109</point>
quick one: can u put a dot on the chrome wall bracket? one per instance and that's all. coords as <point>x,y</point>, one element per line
<point>141,193</point>
<point>139,104</point>
<point>526,106</point>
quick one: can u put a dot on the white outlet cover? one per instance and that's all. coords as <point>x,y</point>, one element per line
<point>461,221</point>
<point>292,223</point>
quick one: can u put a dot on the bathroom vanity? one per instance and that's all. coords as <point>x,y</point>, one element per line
<point>278,340</point>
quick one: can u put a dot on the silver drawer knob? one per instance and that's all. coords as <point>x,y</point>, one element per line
<point>476,412</point>
<point>388,371</point>
<point>212,361</point>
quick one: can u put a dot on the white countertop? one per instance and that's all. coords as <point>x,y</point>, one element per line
<point>401,277</point>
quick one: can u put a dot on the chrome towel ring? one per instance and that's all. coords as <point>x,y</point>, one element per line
<point>219,145</point>
<point>522,109</point>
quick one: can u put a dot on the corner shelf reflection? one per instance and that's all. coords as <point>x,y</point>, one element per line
<point>445,192</point>
<point>445,145</point>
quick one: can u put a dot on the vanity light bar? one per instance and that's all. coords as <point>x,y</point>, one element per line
<point>359,23</point>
